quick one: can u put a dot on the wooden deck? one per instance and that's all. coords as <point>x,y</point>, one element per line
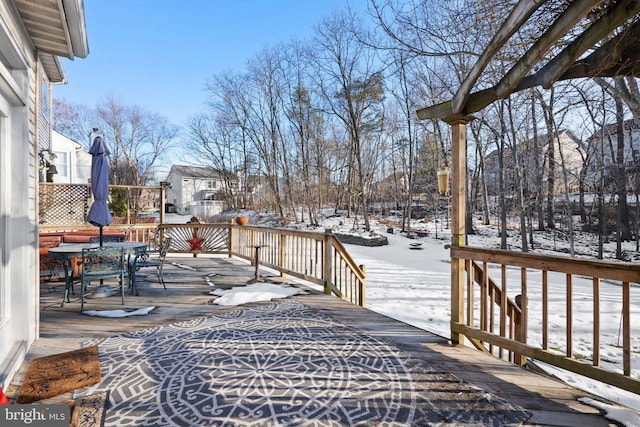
<point>63,329</point>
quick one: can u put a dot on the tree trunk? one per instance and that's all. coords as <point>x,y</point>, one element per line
<point>623,232</point>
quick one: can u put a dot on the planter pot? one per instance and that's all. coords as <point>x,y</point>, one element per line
<point>242,220</point>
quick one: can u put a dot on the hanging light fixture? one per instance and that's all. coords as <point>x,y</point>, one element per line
<point>46,169</point>
<point>443,181</point>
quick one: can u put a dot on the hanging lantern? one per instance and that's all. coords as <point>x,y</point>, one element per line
<point>443,181</point>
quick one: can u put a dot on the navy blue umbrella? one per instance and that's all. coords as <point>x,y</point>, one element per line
<point>99,214</point>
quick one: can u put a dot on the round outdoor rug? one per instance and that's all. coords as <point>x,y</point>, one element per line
<point>280,364</point>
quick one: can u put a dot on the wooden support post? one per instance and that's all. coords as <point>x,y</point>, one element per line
<point>458,213</point>
<point>569,313</point>
<point>626,328</point>
<point>596,321</point>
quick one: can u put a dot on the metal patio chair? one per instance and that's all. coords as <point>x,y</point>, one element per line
<point>101,263</point>
<point>145,261</point>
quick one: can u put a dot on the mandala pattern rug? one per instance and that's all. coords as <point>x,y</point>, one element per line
<point>281,364</point>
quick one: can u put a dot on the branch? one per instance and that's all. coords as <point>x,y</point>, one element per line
<point>518,16</point>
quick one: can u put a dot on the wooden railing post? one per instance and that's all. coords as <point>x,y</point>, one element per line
<point>327,260</point>
<point>282,254</point>
<point>362,298</point>
<point>520,329</point>
<point>230,244</point>
<point>163,201</point>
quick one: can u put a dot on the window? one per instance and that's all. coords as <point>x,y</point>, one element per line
<point>211,184</point>
<point>62,163</point>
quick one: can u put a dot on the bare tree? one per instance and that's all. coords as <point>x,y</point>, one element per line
<point>307,131</point>
<point>73,121</point>
<point>214,143</point>
<point>228,95</point>
<point>404,96</point>
<point>351,85</point>
<point>137,139</point>
<point>625,88</point>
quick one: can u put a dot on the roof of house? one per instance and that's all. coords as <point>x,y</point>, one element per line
<point>612,129</point>
<point>195,171</point>
<point>57,29</point>
<point>544,139</point>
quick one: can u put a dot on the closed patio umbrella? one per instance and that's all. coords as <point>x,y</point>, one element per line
<point>99,214</point>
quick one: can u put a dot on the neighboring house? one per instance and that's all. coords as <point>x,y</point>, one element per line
<point>572,156</point>
<point>603,146</point>
<point>72,163</point>
<point>196,190</point>
<point>394,188</point>
<point>34,34</point>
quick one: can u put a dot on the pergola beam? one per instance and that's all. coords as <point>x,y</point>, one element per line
<point>518,16</point>
<point>574,13</point>
<point>618,57</point>
<point>621,12</point>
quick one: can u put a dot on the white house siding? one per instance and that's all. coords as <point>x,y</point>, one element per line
<point>192,188</point>
<point>600,141</point>
<point>18,178</point>
<point>25,129</point>
<point>174,191</point>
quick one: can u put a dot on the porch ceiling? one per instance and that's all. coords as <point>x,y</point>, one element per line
<point>606,46</point>
<point>57,29</point>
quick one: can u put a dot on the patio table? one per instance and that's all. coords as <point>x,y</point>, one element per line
<point>66,253</point>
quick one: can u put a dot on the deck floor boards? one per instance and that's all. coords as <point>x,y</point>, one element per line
<point>189,279</point>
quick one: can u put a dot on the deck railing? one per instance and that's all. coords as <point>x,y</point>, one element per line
<point>496,312</point>
<point>318,258</point>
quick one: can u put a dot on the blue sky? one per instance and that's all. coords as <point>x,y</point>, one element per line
<point>158,54</point>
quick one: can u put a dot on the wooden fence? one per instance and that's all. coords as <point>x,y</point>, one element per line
<point>496,312</point>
